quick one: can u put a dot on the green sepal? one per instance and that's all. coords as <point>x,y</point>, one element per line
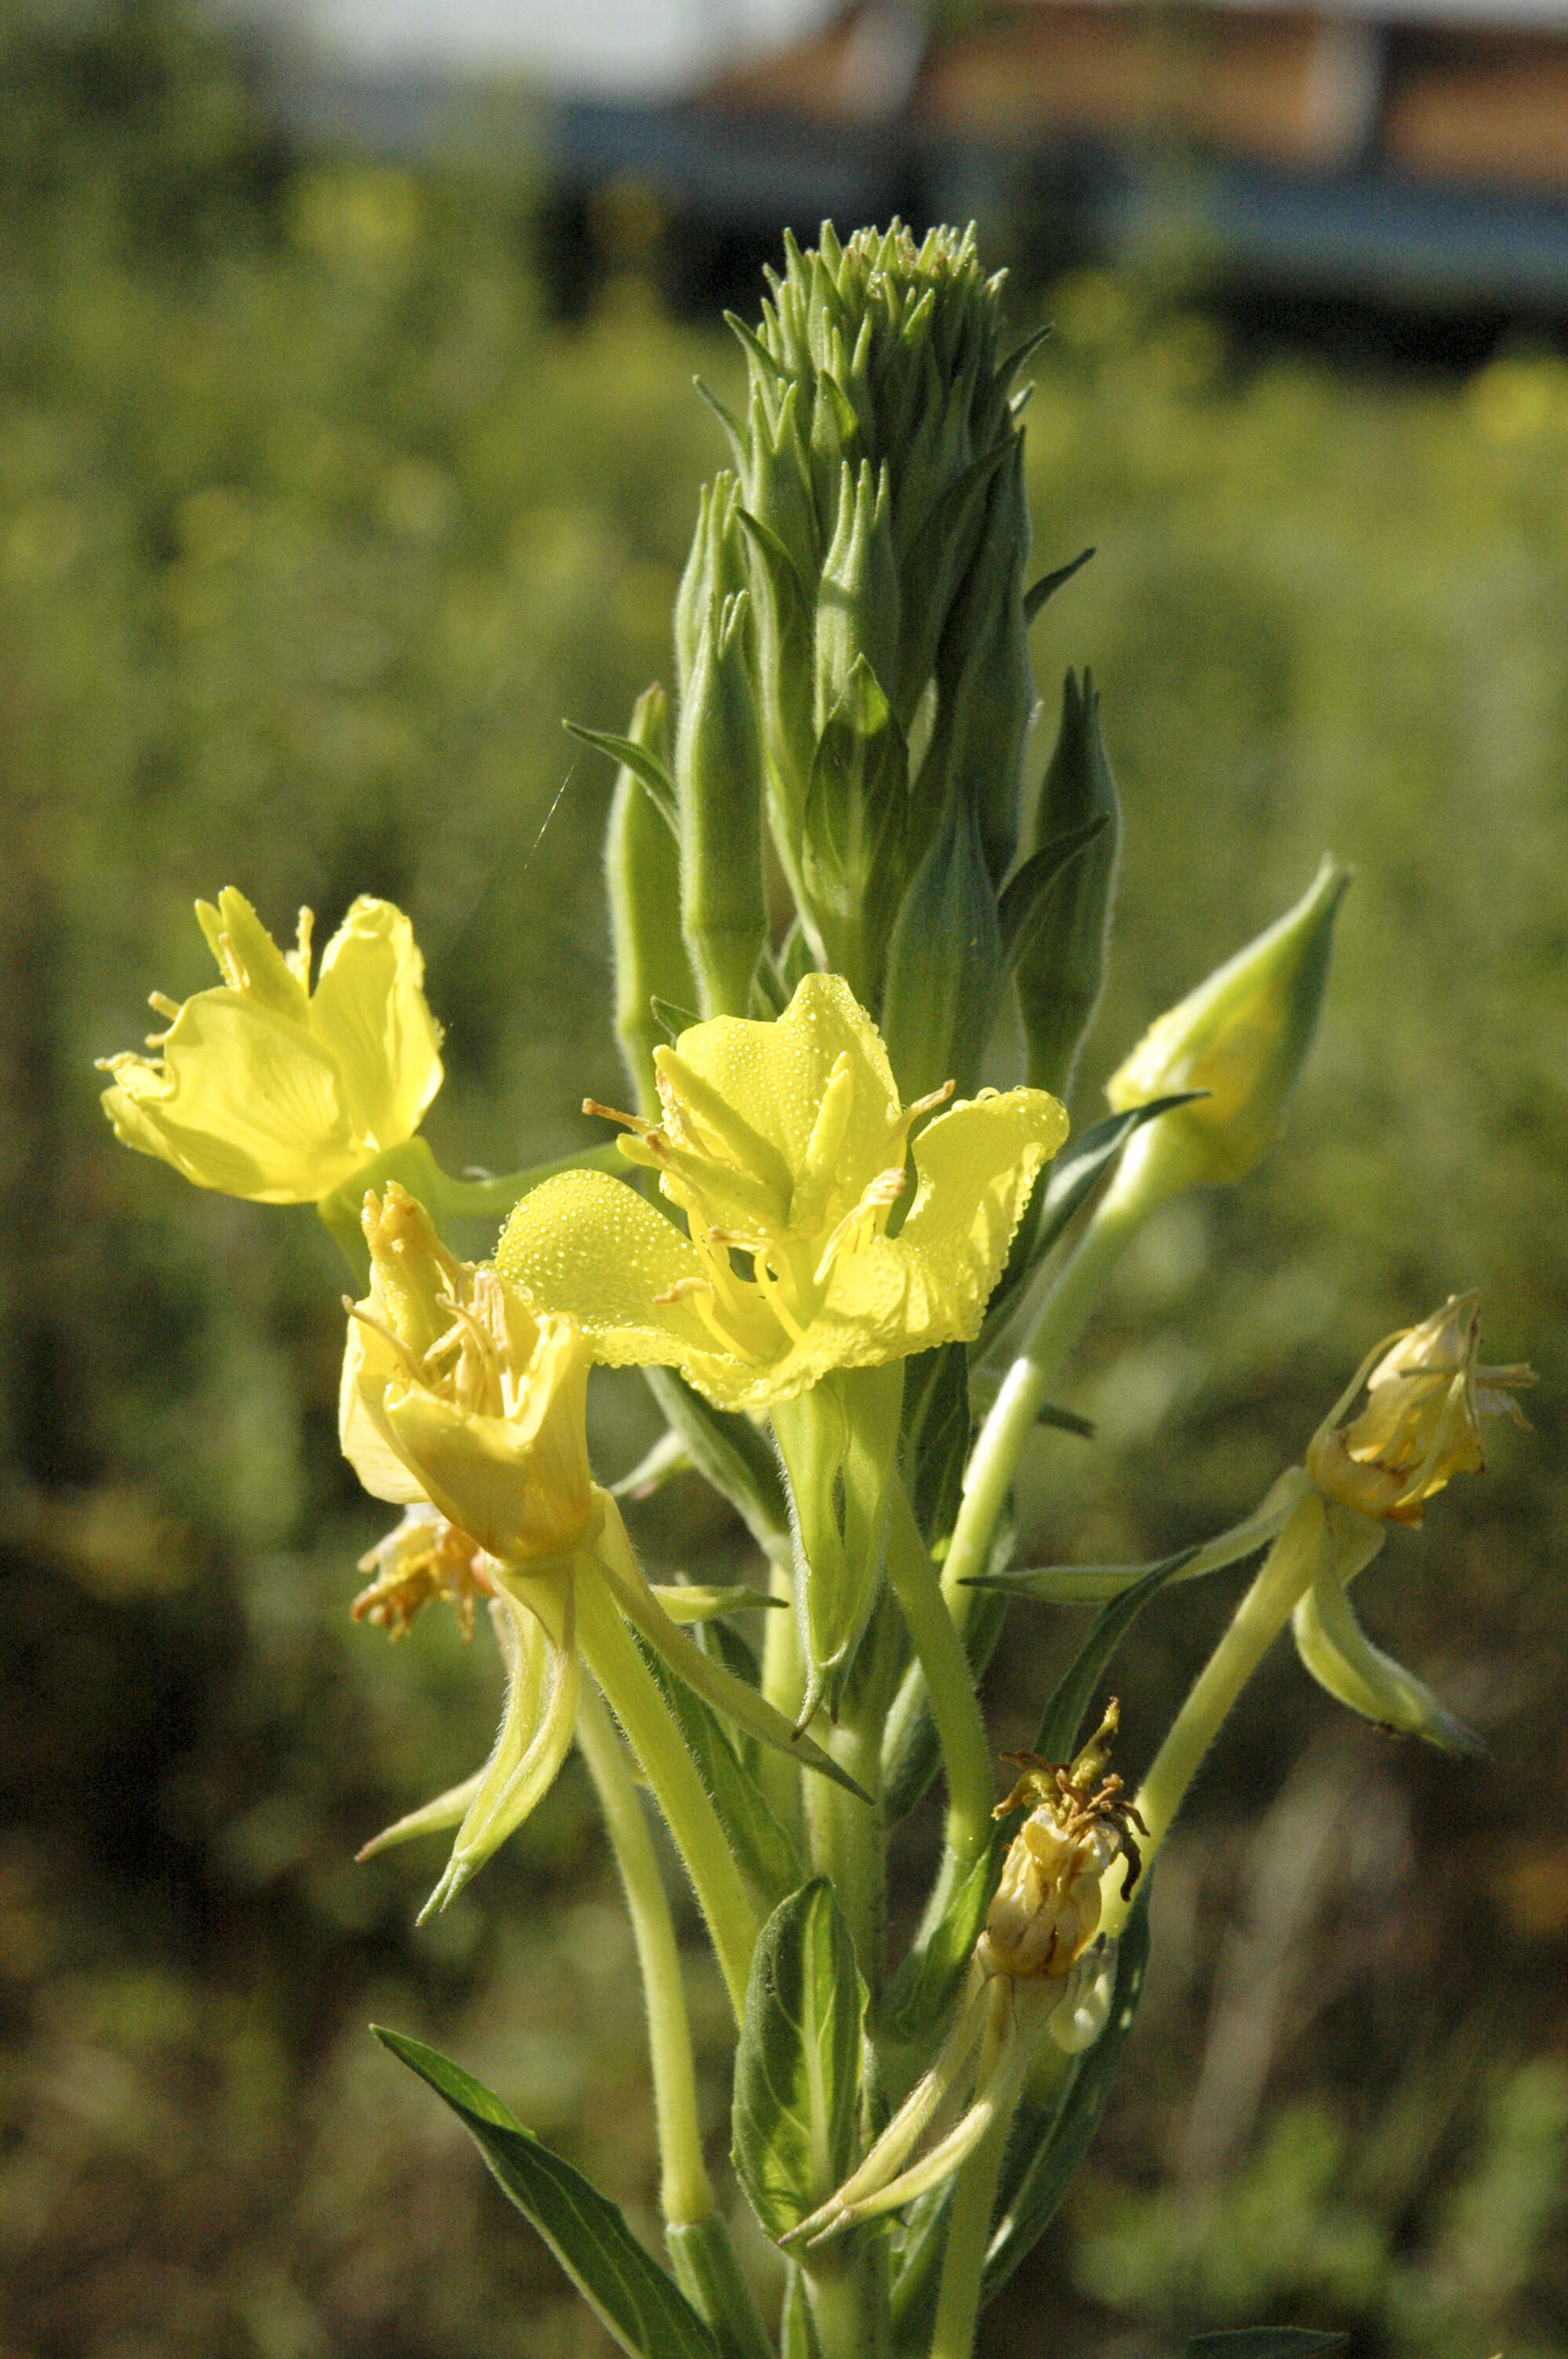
<point>797,2068</point>
<point>1047,2145</point>
<point>634,2299</point>
<point>1264,2343</point>
<point>840,1446</point>
<point>643,765</point>
<point>708,2272</point>
<point>1024,902</point>
<point>1062,1187</point>
<point>763,1851</point>
<point>932,1970</point>
<point>1039,594</point>
<point>1058,983</point>
<point>729,1452</point>
<point>1341,1657</point>
<point>944,962</point>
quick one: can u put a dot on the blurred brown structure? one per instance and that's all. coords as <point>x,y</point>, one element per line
<point>1413,152</point>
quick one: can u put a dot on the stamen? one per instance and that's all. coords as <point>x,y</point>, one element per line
<point>773,1294</point>
<point>379,1327</point>
<point>162,1005</point>
<point>633,1122</point>
<point>880,1197</point>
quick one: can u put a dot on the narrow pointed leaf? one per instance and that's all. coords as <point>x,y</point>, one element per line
<point>635,2300</point>
<point>763,1851</point>
<point>729,1452</point>
<point>932,1972</point>
<point>1039,594</point>
<point>1057,1738</point>
<point>636,758</point>
<point>797,2070</point>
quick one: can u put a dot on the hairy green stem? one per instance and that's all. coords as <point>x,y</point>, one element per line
<point>1284,1576</point>
<point>966,1755</point>
<point>686,2192</point>
<point>845,1838</point>
<point>784,1686</point>
<point>610,1653</point>
<point>994,1459</point>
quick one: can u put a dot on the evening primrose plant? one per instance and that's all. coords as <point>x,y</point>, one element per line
<point>848,1234</point>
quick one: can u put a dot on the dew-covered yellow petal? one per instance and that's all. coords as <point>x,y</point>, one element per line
<point>244,1100</point>
<point>588,1244</point>
<point>776,1074</point>
<point>976,1167</point>
<point>369,1011</point>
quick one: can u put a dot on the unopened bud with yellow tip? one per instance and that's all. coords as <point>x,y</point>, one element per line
<point>1241,1038</point>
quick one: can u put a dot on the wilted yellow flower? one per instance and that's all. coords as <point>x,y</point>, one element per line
<point>1426,1396</point>
<point>266,1089</point>
<point>422,1559</point>
<point>784,1143</point>
<point>456,1390</point>
<point>1048,1906</point>
<point>1241,1037</point>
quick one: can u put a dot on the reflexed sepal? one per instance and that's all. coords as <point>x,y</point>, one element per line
<point>840,1446</point>
<point>1341,1658</point>
<point>797,2070</point>
<point>634,2299</point>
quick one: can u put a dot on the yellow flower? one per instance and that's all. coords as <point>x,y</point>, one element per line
<point>268,1089</point>
<point>456,1390</point>
<point>1426,1395</point>
<point>784,1143</point>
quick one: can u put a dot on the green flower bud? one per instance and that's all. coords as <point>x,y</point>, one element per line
<point>715,569</point>
<point>641,875</point>
<point>858,600</point>
<point>1242,1038</point>
<point>717,775</point>
<point>1060,973</point>
<point>944,963</point>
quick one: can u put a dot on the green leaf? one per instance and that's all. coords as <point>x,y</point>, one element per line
<point>1046,2146</point>
<point>1057,1737</point>
<point>1063,1187</point>
<point>797,2070</point>
<point>936,1429</point>
<point>911,1753</point>
<point>1079,1584</point>
<point>927,1980</point>
<point>763,1851</point>
<point>1264,2343</point>
<point>729,1452</point>
<point>644,766</point>
<point>1039,594</point>
<point>636,2301</point>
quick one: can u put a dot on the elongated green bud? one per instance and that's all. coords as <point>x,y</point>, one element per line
<point>944,963</point>
<point>1060,974</point>
<point>714,569</point>
<point>642,877</point>
<point>1242,1038</point>
<point>718,773</point>
<point>857,599</point>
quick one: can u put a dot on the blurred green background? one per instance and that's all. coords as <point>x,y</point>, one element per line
<point>312,526</point>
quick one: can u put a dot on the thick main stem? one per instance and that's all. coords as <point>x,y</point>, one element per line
<point>994,1459</point>
<point>686,2192</point>
<point>610,1654</point>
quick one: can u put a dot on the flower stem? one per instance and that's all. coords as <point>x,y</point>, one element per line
<point>685,2193</point>
<point>610,1654</point>
<point>965,1756</point>
<point>994,1459</point>
<point>845,1838</point>
<point>1284,1575</point>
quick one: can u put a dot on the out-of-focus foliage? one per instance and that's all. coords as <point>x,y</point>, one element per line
<point>311,527</point>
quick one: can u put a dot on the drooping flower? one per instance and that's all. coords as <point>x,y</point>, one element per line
<point>458,1391</point>
<point>1427,1394</point>
<point>784,1143</point>
<point>1047,1910</point>
<point>422,1559</point>
<point>266,1089</point>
